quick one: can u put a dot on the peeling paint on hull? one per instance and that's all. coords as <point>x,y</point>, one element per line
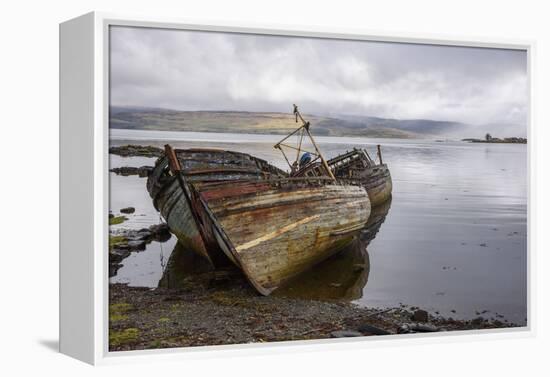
<point>200,165</point>
<point>304,224</point>
<point>377,181</point>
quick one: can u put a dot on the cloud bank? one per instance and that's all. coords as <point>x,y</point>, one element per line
<point>191,70</point>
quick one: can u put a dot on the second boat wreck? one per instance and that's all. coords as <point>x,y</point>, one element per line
<point>356,164</point>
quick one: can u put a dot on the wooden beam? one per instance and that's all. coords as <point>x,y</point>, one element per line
<point>327,168</point>
<point>305,150</point>
<point>284,155</point>
<point>173,161</point>
<point>299,149</point>
<point>287,136</point>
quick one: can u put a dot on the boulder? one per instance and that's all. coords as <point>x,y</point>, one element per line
<point>420,316</point>
<point>125,171</point>
<point>409,328</point>
<point>136,245</point>
<point>477,321</point>
<point>404,329</point>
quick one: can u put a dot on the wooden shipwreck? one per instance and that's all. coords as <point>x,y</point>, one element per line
<point>273,225</point>
<point>234,207</point>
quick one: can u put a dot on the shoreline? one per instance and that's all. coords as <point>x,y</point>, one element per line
<point>216,310</point>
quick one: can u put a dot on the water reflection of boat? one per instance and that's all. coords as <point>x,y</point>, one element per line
<point>340,277</point>
<point>182,264</point>
<point>376,219</point>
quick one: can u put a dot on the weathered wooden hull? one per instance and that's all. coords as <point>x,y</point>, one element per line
<point>344,275</point>
<point>375,178</point>
<point>274,232</point>
<point>200,165</point>
<point>176,212</point>
<point>377,181</point>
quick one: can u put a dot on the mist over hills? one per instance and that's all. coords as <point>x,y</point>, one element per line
<point>148,118</point>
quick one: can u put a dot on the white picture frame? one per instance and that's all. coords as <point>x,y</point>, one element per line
<point>84,133</point>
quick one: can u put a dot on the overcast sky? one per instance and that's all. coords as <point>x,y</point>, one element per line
<point>190,70</point>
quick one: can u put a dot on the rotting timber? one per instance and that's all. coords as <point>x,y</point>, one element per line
<point>358,165</point>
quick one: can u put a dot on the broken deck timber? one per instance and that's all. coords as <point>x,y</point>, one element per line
<point>357,164</point>
<point>374,177</point>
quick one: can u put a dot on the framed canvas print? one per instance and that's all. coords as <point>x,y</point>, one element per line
<point>224,186</point>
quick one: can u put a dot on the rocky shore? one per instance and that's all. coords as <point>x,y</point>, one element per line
<point>136,150</point>
<point>142,171</point>
<point>217,308</point>
<point>125,241</point>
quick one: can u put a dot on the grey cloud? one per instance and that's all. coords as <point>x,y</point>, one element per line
<point>191,70</point>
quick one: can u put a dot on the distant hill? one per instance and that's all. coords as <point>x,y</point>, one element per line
<point>141,118</point>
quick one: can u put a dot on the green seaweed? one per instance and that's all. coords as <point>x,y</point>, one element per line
<point>155,344</point>
<point>117,220</point>
<point>118,338</point>
<point>117,317</point>
<point>116,240</point>
<point>117,312</point>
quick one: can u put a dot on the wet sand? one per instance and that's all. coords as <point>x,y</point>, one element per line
<point>223,309</point>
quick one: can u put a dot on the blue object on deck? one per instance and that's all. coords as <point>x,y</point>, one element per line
<point>305,159</point>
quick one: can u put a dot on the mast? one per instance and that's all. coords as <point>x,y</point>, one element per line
<point>303,130</point>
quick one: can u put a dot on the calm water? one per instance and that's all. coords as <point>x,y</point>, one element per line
<point>454,238</point>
